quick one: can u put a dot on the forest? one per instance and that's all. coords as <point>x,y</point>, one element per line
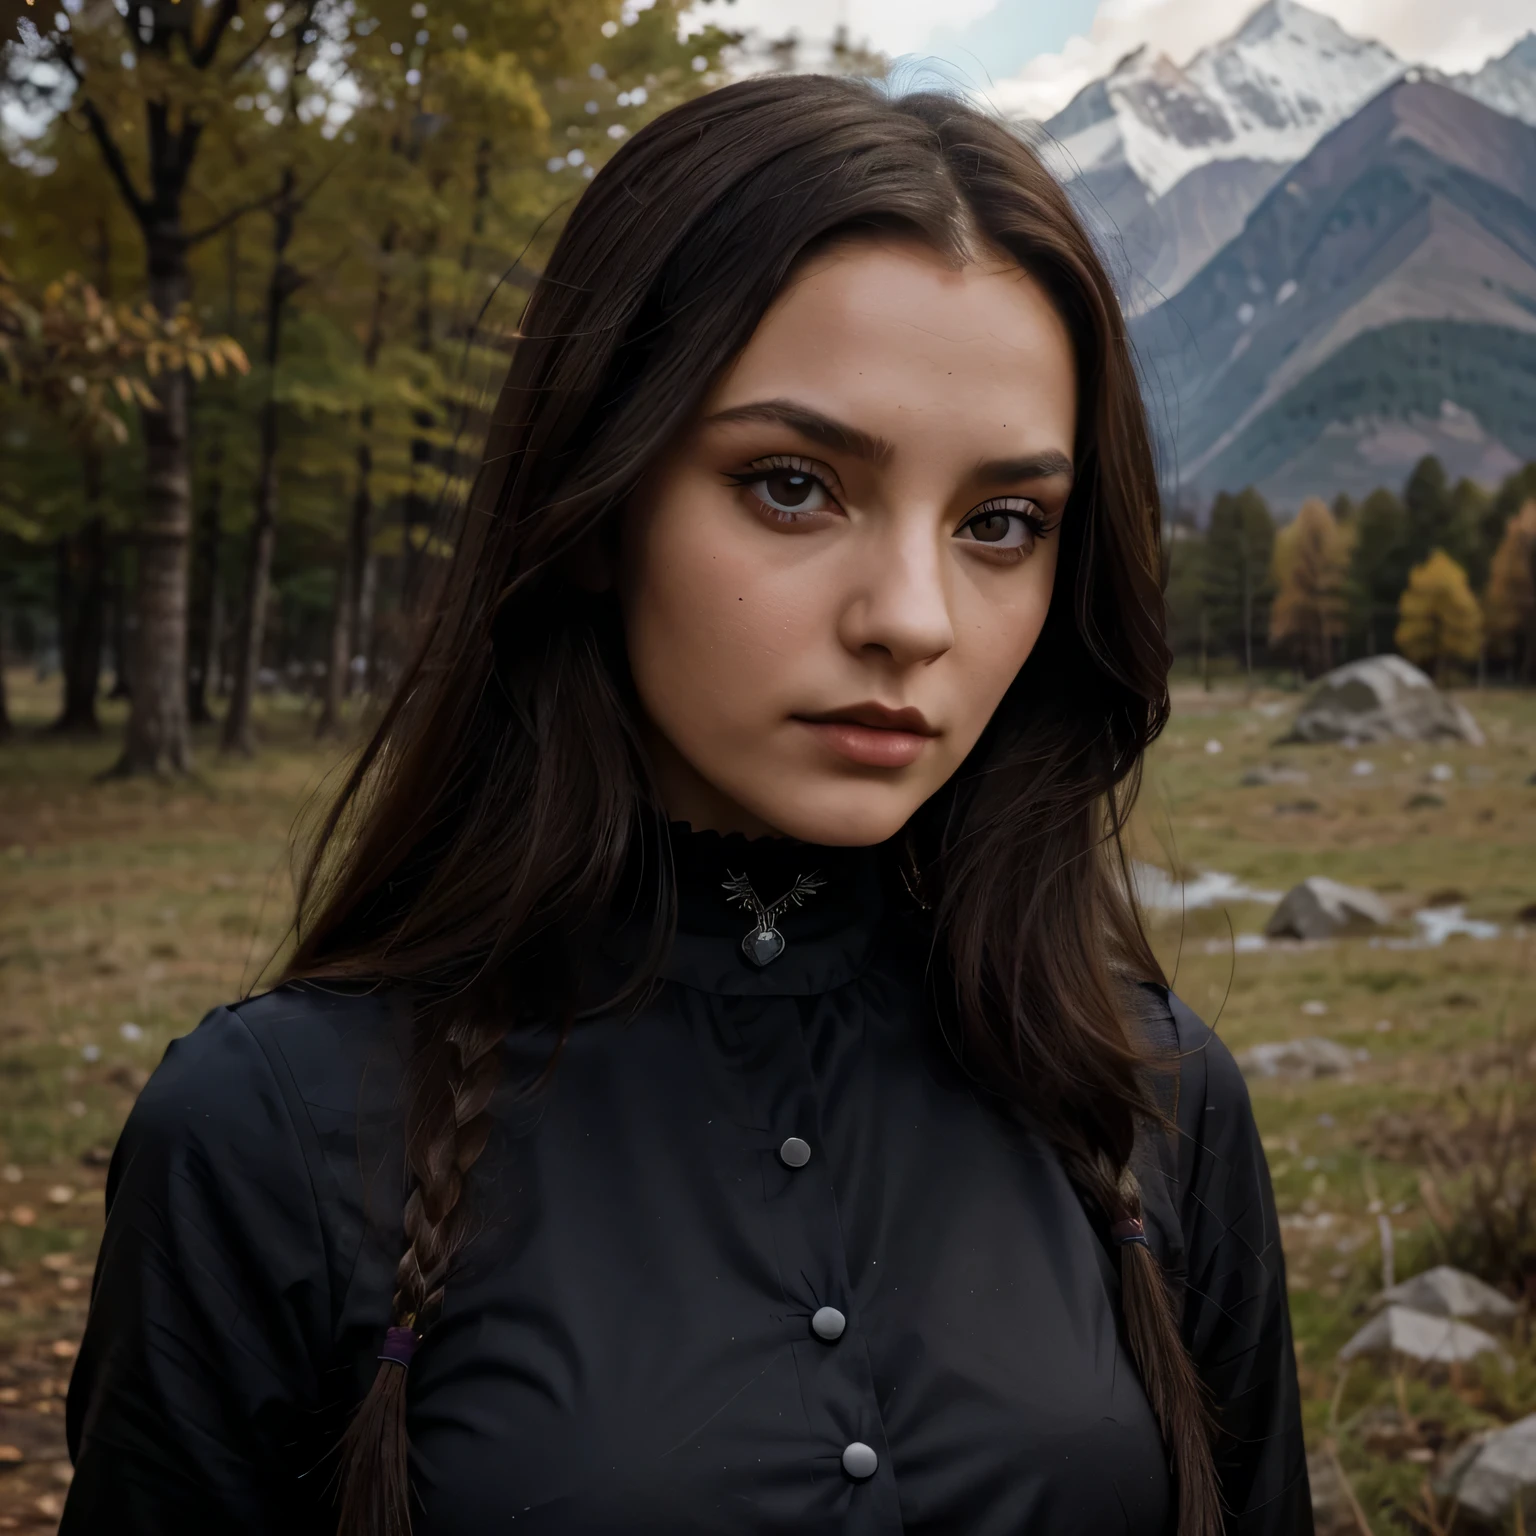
<point>1441,573</point>
<point>259,272</point>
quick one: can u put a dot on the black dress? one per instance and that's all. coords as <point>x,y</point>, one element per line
<point>759,1259</point>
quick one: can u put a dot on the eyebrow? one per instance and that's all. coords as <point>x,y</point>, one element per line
<point>813,424</point>
<point>1045,465</point>
<point>843,438</point>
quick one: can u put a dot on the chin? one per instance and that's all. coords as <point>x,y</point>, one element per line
<point>845,815</point>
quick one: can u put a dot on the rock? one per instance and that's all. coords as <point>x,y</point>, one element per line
<point>1382,698</point>
<point>1492,1471</point>
<point>1274,773</point>
<point>1447,1292</point>
<point>1430,1340</point>
<point>1310,1057</point>
<point>1319,908</point>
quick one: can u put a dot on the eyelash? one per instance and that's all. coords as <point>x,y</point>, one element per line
<point>760,469</point>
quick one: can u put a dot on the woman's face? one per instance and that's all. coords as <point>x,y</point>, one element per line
<point>831,579</point>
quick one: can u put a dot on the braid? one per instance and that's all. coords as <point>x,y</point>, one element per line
<point>1167,1373</point>
<point>447,1127</point>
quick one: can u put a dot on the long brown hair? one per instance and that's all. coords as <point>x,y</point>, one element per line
<point>491,817</point>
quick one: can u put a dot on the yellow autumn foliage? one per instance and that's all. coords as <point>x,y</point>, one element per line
<point>1438,617</point>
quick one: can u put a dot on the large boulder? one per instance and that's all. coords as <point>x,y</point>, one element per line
<point>1447,1292</point>
<point>1417,1336</point>
<point>1382,698</point>
<point>1490,1473</point>
<point>1320,908</point>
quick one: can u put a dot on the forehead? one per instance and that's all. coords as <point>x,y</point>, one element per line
<point>891,337</point>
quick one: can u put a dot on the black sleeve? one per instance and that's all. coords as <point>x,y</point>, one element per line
<point>209,1310</point>
<point>1237,1321</point>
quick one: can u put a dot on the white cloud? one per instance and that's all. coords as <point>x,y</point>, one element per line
<point>1418,31</point>
<point>1452,37</point>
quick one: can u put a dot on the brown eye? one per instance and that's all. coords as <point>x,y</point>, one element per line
<point>788,489</point>
<point>991,527</point>
<point>1012,526</point>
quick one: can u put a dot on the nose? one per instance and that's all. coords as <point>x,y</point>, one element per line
<point>898,601</point>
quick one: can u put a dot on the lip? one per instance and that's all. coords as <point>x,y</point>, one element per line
<point>872,735</point>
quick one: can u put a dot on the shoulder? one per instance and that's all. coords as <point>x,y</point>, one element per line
<point>271,1063</point>
<point>1209,1086</point>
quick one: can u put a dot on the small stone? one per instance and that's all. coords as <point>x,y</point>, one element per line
<point>130,1032</point>
<point>1274,773</point>
<point>1315,1007</point>
<point>12,1453</point>
<point>1448,1292</point>
<point>1308,1057</point>
<point>23,1216</point>
<point>1398,1330</point>
<point>1320,908</point>
<point>1493,1470</point>
<point>61,1194</point>
<point>64,1349</point>
<point>11,1174</point>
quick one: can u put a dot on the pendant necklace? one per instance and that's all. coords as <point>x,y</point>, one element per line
<point>763,944</point>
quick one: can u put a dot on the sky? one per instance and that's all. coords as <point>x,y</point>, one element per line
<point>1034,55</point>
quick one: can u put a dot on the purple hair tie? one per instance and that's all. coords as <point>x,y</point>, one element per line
<point>399,1345</point>
<point>1130,1230</point>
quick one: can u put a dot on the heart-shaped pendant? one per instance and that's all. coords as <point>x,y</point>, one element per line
<point>763,946</point>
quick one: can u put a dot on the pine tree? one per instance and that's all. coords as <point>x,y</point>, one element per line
<point>1235,571</point>
<point>1310,564</point>
<point>1510,605</point>
<point>1378,569</point>
<point>1439,620</point>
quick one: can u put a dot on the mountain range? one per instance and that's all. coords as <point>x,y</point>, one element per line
<point>1329,255</point>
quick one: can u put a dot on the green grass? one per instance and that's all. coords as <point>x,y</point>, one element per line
<point>145,904</point>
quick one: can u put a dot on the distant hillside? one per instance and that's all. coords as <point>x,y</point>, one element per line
<point>1379,302</point>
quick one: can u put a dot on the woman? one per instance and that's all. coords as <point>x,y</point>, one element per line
<point>720,1071</point>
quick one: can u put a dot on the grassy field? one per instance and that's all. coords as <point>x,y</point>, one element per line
<point>128,909</point>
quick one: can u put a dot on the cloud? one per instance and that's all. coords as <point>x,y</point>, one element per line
<point>1418,31</point>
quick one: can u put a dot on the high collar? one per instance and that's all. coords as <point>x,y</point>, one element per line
<point>828,937</point>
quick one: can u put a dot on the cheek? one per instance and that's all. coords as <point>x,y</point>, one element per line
<point>995,639</point>
<point>708,622</point>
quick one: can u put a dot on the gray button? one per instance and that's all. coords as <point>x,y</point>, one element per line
<point>828,1323</point>
<point>795,1153</point>
<point>859,1460</point>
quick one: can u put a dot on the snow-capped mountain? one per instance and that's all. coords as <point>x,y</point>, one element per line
<point>1506,84</point>
<point>1267,93</point>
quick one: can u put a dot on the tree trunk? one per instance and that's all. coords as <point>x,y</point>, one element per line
<point>119,627</point>
<point>349,590</point>
<point>417,517</point>
<point>208,611</point>
<point>82,605</point>
<point>5,709</point>
<point>158,738</point>
<point>238,735</point>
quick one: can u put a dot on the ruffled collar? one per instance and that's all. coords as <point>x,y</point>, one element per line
<point>772,916</point>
